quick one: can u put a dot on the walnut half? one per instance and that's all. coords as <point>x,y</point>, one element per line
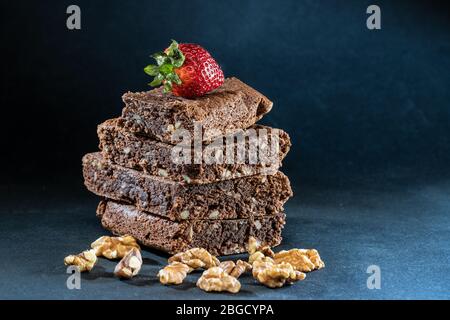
<point>85,261</point>
<point>174,273</point>
<point>255,246</point>
<point>130,265</point>
<point>275,275</point>
<point>304,260</point>
<point>216,279</point>
<point>235,269</point>
<point>114,247</point>
<point>196,258</point>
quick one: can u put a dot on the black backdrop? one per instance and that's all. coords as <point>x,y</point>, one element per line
<point>368,113</point>
<point>357,103</point>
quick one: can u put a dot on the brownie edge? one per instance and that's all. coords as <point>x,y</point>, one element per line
<point>219,237</point>
<point>258,195</point>
<point>145,154</point>
<point>229,108</point>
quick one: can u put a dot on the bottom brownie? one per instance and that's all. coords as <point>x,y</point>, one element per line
<point>219,237</point>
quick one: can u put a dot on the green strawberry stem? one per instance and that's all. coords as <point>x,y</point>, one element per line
<point>164,70</point>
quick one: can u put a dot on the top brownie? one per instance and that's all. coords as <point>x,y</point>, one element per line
<point>231,107</point>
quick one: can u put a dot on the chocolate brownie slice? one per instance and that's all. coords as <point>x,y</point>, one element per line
<point>154,157</point>
<point>219,237</point>
<point>229,199</point>
<point>232,106</point>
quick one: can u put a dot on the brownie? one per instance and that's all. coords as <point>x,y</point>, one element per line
<point>232,106</point>
<point>219,237</point>
<point>154,157</point>
<point>257,195</point>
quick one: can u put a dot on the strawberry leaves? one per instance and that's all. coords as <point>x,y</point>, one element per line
<point>175,55</point>
<point>151,70</point>
<point>164,70</point>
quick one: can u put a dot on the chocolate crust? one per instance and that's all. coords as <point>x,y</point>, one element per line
<point>149,155</point>
<point>231,107</point>
<point>258,195</point>
<point>219,237</point>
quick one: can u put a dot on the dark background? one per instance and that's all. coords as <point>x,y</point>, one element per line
<point>368,111</point>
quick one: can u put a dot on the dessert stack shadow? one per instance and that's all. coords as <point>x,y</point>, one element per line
<point>173,206</point>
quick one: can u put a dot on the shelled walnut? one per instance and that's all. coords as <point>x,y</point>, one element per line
<point>257,256</point>
<point>255,246</point>
<point>130,265</point>
<point>304,260</point>
<point>196,258</point>
<point>114,247</point>
<point>275,275</point>
<point>173,273</point>
<point>85,261</point>
<point>216,279</point>
<point>227,266</point>
<point>314,256</point>
<point>235,269</point>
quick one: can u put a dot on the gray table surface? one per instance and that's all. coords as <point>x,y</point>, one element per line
<point>404,228</point>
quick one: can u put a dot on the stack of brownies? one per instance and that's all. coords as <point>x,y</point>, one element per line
<point>173,205</point>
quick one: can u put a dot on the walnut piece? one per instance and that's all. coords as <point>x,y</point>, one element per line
<point>240,268</point>
<point>304,260</point>
<point>130,265</point>
<point>114,247</point>
<point>256,256</point>
<point>196,258</point>
<point>235,269</point>
<point>216,279</point>
<point>314,256</point>
<point>267,251</point>
<point>254,246</point>
<point>275,275</point>
<point>275,269</point>
<point>257,252</point>
<point>227,266</point>
<point>85,261</point>
<point>173,273</point>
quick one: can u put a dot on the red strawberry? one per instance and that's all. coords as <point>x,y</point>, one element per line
<point>186,69</point>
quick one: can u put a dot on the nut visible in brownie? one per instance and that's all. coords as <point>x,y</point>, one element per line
<point>231,107</point>
<point>219,237</point>
<point>154,157</point>
<point>258,195</point>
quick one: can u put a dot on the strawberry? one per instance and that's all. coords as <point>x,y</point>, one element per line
<point>186,69</point>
